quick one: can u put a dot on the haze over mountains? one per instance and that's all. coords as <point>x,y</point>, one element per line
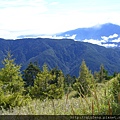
<point>66,54</point>
<point>67,50</point>
<point>107,35</point>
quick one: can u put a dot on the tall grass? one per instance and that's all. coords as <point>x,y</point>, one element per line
<point>99,103</point>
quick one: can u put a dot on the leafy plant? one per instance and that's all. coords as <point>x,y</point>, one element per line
<point>11,84</point>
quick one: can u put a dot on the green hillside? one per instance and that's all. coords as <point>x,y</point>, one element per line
<point>66,54</point>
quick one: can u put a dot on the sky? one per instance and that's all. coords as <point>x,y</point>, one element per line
<point>26,17</point>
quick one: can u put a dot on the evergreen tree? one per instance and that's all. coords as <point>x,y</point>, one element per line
<point>69,82</point>
<point>30,73</point>
<point>39,90</point>
<point>47,84</point>
<point>11,76</point>
<point>11,84</point>
<point>85,80</point>
<point>96,76</point>
<point>103,74</point>
<point>56,84</point>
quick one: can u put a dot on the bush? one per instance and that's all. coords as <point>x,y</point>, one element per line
<point>13,100</point>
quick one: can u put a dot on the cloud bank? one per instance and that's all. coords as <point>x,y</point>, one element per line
<point>110,41</point>
<point>21,17</point>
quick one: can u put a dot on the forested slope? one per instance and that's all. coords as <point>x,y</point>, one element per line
<point>66,54</point>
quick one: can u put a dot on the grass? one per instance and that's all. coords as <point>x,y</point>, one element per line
<point>46,107</point>
<point>98,104</point>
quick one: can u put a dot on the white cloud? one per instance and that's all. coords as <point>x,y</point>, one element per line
<point>116,40</point>
<point>98,42</point>
<point>103,42</point>
<point>57,37</point>
<point>51,16</point>
<point>111,36</point>
<point>105,38</point>
<point>109,45</point>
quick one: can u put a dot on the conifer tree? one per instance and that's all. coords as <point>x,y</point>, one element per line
<point>11,83</point>
<point>39,90</point>
<point>103,74</point>
<point>48,84</point>
<point>56,84</point>
<point>69,83</point>
<point>85,80</point>
<point>11,76</point>
<point>29,74</point>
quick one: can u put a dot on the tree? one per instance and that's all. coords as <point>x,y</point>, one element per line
<point>114,88</point>
<point>30,73</point>
<point>39,90</point>
<point>69,82</point>
<point>103,74</point>
<point>85,80</point>
<point>11,76</point>
<point>96,76</point>
<point>56,84</point>
<point>48,84</point>
<point>11,83</point>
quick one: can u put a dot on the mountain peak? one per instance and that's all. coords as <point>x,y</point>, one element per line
<point>96,34</point>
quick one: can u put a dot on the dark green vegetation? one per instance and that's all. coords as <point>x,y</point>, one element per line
<point>65,54</point>
<point>50,91</point>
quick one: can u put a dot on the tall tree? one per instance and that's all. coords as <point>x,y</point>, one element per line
<point>69,82</point>
<point>56,84</point>
<point>11,76</point>
<point>48,84</point>
<point>85,79</point>
<point>29,74</point>
<point>39,90</point>
<point>11,83</point>
<point>103,74</point>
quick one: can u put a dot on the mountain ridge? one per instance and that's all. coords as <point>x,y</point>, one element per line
<point>104,34</point>
<point>66,54</point>
<point>107,35</point>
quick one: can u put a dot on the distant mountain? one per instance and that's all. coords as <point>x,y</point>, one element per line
<point>67,54</point>
<point>107,35</point>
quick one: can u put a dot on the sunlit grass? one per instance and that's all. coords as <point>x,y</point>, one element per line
<point>97,104</point>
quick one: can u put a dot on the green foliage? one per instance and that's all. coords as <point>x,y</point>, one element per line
<point>114,88</point>
<point>13,100</point>
<point>58,92</point>
<point>56,84</point>
<point>66,54</point>
<point>30,74</point>
<point>11,76</point>
<point>69,83</point>
<point>85,81</point>
<point>11,83</point>
<point>103,74</point>
<point>40,87</point>
<point>48,84</point>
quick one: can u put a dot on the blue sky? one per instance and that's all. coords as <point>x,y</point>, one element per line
<point>24,17</point>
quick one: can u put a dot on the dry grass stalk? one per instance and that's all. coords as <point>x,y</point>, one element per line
<point>105,92</point>
<point>96,99</point>
<point>92,108</point>
<point>119,98</point>
<point>66,98</point>
<point>109,109</point>
<point>66,102</point>
<point>84,97</point>
<point>72,110</point>
<point>53,107</point>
